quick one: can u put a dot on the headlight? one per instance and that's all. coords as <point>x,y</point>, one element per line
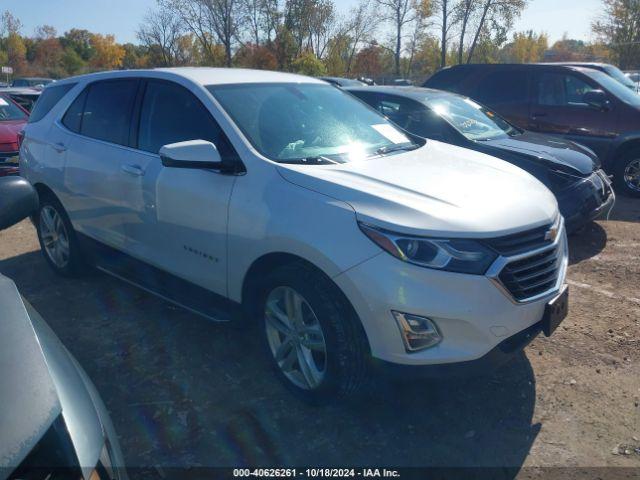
<point>452,255</point>
<point>559,180</point>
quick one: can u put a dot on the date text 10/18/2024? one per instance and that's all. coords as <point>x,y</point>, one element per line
<point>315,473</point>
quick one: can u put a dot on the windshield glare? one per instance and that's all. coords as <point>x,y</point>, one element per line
<point>300,122</point>
<point>471,119</point>
<point>615,88</point>
<point>9,111</point>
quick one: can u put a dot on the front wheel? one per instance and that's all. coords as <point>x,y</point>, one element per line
<point>313,338</point>
<point>57,238</point>
<point>627,174</point>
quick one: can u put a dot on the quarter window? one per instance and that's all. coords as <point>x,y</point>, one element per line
<point>107,111</point>
<point>503,87</point>
<point>48,99</point>
<point>170,114</point>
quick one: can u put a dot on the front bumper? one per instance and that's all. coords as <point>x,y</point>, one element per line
<point>589,199</point>
<point>500,355</point>
<point>472,313</point>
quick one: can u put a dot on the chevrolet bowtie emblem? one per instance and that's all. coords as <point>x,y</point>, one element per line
<point>551,234</point>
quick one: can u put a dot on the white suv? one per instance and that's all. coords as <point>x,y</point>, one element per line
<point>351,244</point>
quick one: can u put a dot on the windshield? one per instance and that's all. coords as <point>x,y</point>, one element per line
<point>471,119</point>
<point>10,111</point>
<point>308,123</point>
<point>617,74</point>
<point>614,87</point>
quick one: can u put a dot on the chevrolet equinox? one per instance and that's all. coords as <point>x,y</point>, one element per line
<point>279,200</point>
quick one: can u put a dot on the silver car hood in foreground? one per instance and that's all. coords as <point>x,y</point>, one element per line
<point>28,396</point>
<point>40,381</point>
<point>438,190</point>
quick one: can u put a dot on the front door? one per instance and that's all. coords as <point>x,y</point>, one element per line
<point>180,219</point>
<point>559,109</point>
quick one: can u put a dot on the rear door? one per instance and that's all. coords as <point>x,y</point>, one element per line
<point>178,217</point>
<point>559,109</point>
<point>100,117</point>
<point>506,90</point>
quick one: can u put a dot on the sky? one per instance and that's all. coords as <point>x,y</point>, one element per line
<point>122,17</point>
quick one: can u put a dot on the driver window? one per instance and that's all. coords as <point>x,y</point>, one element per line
<point>170,114</point>
<point>557,89</point>
<point>412,116</point>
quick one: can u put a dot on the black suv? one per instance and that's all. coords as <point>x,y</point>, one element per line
<point>582,104</point>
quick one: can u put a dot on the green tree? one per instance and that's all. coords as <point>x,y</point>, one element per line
<point>72,63</point>
<point>619,29</point>
<point>309,64</point>
<point>526,47</point>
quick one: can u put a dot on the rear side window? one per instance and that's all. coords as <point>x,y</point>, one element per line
<point>48,99</point>
<point>502,87</point>
<point>170,114</point>
<point>107,110</point>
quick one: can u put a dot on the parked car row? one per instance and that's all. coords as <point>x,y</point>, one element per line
<point>584,105</point>
<point>570,171</point>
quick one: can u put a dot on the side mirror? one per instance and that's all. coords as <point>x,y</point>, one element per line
<point>191,154</point>
<point>596,99</point>
<point>19,200</point>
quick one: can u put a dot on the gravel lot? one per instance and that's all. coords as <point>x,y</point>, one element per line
<point>184,391</point>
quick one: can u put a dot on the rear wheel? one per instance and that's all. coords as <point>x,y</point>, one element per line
<point>627,174</point>
<point>312,336</point>
<point>57,238</point>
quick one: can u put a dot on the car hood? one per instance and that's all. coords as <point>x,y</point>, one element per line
<point>438,189</point>
<point>9,131</point>
<point>551,151</point>
<point>40,382</point>
<point>28,396</point>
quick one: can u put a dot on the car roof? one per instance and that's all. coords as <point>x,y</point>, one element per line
<point>419,94</point>
<point>507,66</point>
<point>201,75</point>
<point>20,90</point>
<point>578,64</point>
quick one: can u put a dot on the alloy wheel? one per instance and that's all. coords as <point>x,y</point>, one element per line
<point>55,237</point>
<point>295,338</point>
<point>632,175</point>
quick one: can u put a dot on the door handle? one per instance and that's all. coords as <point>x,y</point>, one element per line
<point>538,115</point>
<point>59,147</point>
<point>135,170</point>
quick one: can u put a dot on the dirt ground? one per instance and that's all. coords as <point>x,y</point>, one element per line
<point>184,391</point>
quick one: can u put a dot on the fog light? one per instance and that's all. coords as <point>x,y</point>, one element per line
<point>417,332</point>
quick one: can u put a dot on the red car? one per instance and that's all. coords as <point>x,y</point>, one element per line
<point>13,118</point>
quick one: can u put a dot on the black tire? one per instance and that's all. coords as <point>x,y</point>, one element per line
<point>620,168</point>
<point>347,349</point>
<point>75,264</point>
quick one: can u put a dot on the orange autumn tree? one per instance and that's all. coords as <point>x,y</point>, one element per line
<point>107,54</point>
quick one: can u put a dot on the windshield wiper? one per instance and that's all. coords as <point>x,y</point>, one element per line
<point>396,148</point>
<point>318,160</point>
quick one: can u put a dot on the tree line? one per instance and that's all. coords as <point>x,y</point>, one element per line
<point>379,39</point>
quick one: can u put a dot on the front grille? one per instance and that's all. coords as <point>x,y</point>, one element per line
<point>6,156</point>
<point>521,242</point>
<point>530,262</point>
<point>533,275</point>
